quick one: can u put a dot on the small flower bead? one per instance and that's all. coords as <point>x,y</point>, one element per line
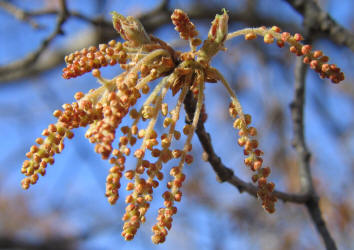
<point>280,43</point>
<point>268,38</point>
<point>276,29</point>
<point>250,36</point>
<point>285,36</point>
<point>298,37</point>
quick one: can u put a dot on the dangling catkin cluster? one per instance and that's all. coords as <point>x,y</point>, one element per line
<point>316,59</point>
<point>247,140</point>
<point>145,58</point>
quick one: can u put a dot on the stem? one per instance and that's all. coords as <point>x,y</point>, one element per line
<point>233,96</point>
<point>157,90</point>
<point>154,118</point>
<point>195,119</point>
<point>152,55</point>
<point>226,174</point>
<point>304,155</point>
<point>257,31</point>
<point>149,100</point>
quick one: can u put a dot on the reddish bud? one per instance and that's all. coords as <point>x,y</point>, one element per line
<point>306,49</point>
<point>268,38</point>
<point>276,29</point>
<point>250,36</point>
<point>317,53</point>
<point>285,36</point>
<point>280,43</point>
<point>298,37</point>
<point>130,29</point>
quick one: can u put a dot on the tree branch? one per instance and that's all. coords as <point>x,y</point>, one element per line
<point>59,243</point>
<point>151,20</point>
<point>97,21</point>
<point>322,23</point>
<point>225,174</point>
<point>18,13</point>
<point>297,112</point>
<point>31,58</point>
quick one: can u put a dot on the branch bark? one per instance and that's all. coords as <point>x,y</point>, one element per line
<point>226,174</point>
<point>152,20</point>
<point>322,23</point>
<point>31,58</point>
<point>304,156</point>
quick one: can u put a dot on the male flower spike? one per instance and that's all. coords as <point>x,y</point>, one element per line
<point>145,58</point>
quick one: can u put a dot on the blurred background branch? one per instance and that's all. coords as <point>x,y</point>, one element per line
<point>321,23</point>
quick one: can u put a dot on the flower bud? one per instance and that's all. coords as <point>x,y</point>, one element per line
<point>130,29</point>
<point>219,28</point>
<point>216,37</point>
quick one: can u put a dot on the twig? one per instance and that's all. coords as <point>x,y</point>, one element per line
<point>225,174</point>
<point>97,21</point>
<point>297,113</point>
<point>24,66</point>
<point>322,23</point>
<point>151,20</point>
<point>33,56</point>
<point>307,188</point>
<point>19,13</point>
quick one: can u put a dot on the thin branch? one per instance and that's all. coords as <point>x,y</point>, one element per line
<point>151,20</point>
<point>27,66</point>
<point>34,56</point>
<point>297,113</point>
<point>322,23</point>
<point>225,174</point>
<point>299,143</point>
<point>97,21</point>
<point>55,243</point>
<point>161,9</point>
<point>19,13</point>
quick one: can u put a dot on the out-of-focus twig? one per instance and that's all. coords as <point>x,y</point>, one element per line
<point>98,21</point>
<point>62,243</point>
<point>33,56</point>
<point>19,13</point>
<point>297,112</point>
<point>315,21</point>
<point>151,20</point>
<point>322,23</point>
<point>225,174</point>
<point>299,143</point>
